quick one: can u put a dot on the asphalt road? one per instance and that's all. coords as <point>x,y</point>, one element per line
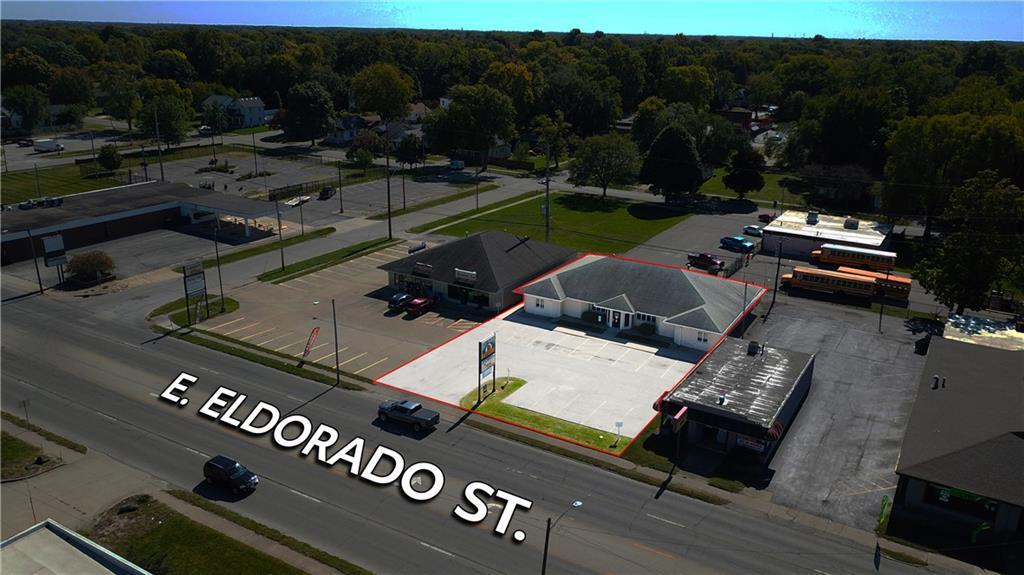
<point>93,380</point>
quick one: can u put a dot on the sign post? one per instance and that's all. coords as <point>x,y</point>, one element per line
<point>486,356</point>
<point>194,279</point>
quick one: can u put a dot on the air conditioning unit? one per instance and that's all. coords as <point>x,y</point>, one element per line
<point>851,223</point>
<point>812,217</point>
<point>753,348</point>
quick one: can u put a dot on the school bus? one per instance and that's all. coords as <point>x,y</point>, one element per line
<point>888,285</point>
<point>830,282</point>
<point>854,257</point>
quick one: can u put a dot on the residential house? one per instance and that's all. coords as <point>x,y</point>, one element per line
<point>241,112</point>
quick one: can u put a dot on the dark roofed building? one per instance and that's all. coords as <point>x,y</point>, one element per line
<point>961,466</point>
<point>691,308</point>
<point>741,395</point>
<point>482,269</point>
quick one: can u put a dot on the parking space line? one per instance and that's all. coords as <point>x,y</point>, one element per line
<point>373,259</point>
<point>300,280</point>
<point>289,345</point>
<point>288,286</point>
<point>255,334</point>
<point>369,366</point>
<point>353,359</point>
<point>285,334</point>
<point>328,355</point>
<point>226,323</point>
<point>314,348</point>
<point>241,328</point>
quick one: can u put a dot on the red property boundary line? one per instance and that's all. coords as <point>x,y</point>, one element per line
<point>521,304</point>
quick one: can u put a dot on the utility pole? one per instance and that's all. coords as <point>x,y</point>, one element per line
<point>547,194</point>
<point>280,239</point>
<point>256,165</point>
<point>387,174</point>
<point>216,251</point>
<point>159,154</point>
<point>337,350</point>
<point>341,201</point>
<point>547,538</point>
<point>881,303</point>
<point>213,145</point>
<point>92,145</point>
<point>35,167</point>
<point>35,262</point>
<point>778,267</point>
<point>302,224</point>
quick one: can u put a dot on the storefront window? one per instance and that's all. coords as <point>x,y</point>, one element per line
<point>960,501</point>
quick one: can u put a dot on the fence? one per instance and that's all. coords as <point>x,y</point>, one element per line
<point>740,261</point>
<point>305,188</point>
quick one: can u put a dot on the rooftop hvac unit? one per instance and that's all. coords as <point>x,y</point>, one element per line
<point>721,400</point>
<point>851,223</point>
<point>753,348</point>
<point>812,217</point>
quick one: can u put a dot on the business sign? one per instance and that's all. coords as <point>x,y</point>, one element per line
<point>195,284</point>
<point>192,268</point>
<point>487,356</point>
<point>465,276</point>
<point>755,444</point>
<point>53,250</point>
<point>309,344</point>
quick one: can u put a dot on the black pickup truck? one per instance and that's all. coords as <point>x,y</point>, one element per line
<point>408,412</point>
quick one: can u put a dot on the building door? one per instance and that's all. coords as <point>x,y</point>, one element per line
<point>625,320</point>
<point>616,318</point>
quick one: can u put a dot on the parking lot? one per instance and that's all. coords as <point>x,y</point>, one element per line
<point>838,458</point>
<point>593,380</point>
<point>372,341</point>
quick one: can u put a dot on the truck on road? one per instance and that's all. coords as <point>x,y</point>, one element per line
<point>48,146</point>
<point>409,413</point>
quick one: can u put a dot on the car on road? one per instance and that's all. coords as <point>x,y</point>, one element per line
<point>26,143</point>
<point>398,301</point>
<point>408,412</point>
<point>205,131</point>
<point>297,201</point>
<point>738,243</point>
<point>765,218</point>
<point>705,261</point>
<point>327,193</point>
<point>226,472</point>
<point>456,165</point>
<point>752,231</point>
<point>419,305</point>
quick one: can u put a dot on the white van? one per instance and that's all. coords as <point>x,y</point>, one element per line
<point>48,146</point>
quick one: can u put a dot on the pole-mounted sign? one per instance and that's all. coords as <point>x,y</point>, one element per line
<point>486,355</point>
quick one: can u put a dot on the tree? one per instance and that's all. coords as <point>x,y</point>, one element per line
<point>515,80</point>
<point>168,113</point>
<point>109,158</point>
<point>364,159</point>
<point>745,169</point>
<point>23,67</point>
<point>987,211</point>
<point>309,111</point>
<point>90,266</point>
<point>366,140</point>
<point>172,65</point>
<point>409,152</point>
<point>690,84</point>
<point>480,115</point>
<point>589,104</point>
<point>604,160</point>
<point>122,100</point>
<point>29,103</point>
<point>552,134</point>
<point>672,166</point>
<point>627,66</point>
<point>216,117</point>
<point>763,89</point>
<point>70,116</point>
<point>71,86</point>
<point>650,119</point>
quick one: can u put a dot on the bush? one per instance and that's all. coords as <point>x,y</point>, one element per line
<point>90,266</point>
<point>645,328</point>
<point>70,116</point>
<point>109,158</point>
<point>590,316</point>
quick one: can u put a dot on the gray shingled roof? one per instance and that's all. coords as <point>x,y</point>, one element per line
<point>686,298</point>
<point>969,434</point>
<point>500,260</point>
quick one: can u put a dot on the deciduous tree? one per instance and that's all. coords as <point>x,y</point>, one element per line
<point>745,169</point>
<point>672,166</point>
<point>309,111</point>
<point>604,160</point>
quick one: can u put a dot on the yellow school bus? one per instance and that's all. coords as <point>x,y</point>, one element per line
<point>830,282</point>
<point>888,285</point>
<point>838,255</point>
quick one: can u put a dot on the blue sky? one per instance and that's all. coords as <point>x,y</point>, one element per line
<point>912,20</point>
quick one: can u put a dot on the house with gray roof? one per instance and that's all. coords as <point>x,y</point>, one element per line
<point>482,269</point>
<point>691,308</point>
<point>241,112</point>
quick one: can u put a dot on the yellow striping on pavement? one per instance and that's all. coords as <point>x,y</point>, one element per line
<point>226,323</point>
<point>371,365</point>
<point>241,328</point>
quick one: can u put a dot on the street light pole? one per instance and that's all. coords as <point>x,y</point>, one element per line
<point>881,303</point>
<point>778,266</point>
<point>159,153</point>
<point>547,533</point>
<point>341,202</point>
<point>387,175</point>
<point>216,251</point>
<point>35,167</point>
<point>280,239</point>
<point>337,351</point>
<point>547,194</point>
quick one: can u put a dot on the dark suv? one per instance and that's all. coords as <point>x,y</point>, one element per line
<point>229,473</point>
<point>398,301</point>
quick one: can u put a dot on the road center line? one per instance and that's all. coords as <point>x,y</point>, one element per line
<point>301,494</point>
<point>200,453</point>
<point>438,549</point>
<point>653,550</point>
<point>655,517</point>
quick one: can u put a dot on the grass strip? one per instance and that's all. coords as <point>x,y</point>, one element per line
<point>903,557</point>
<point>267,247</point>
<point>906,313</point>
<point>493,404</point>
<point>470,213</point>
<point>179,304</point>
<point>181,318</point>
<point>628,473</point>
<point>317,263</point>
<point>730,485</point>
<point>59,440</point>
<point>435,202</point>
<point>15,455</point>
<point>306,549</point>
<point>262,360</point>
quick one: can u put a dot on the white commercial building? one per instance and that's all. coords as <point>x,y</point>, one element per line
<point>798,233</point>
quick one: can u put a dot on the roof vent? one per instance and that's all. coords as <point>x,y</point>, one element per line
<point>935,381</point>
<point>721,400</point>
<point>812,217</point>
<point>851,223</point>
<point>753,348</point>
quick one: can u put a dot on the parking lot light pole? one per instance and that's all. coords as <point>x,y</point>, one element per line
<point>39,194</point>
<point>341,201</point>
<point>216,251</point>
<point>280,239</point>
<point>337,351</point>
<point>547,534</point>
<point>881,303</point>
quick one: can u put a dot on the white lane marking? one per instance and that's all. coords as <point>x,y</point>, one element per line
<point>329,355</point>
<point>241,328</point>
<point>151,394</point>
<point>301,494</point>
<point>104,415</point>
<point>314,348</point>
<point>289,287</point>
<point>255,334</point>
<point>200,453</point>
<point>371,365</point>
<point>226,323</point>
<point>275,338</point>
<point>438,549</point>
<point>666,521</point>
<point>292,397</point>
<point>353,359</point>
<point>300,342</point>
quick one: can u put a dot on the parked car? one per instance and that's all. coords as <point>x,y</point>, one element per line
<point>419,305</point>
<point>398,301</point>
<point>227,472</point>
<point>738,243</point>
<point>327,193</point>
<point>765,218</point>
<point>752,231</point>
<point>408,412</point>
<point>705,261</point>
<point>47,146</point>
<point>27,142</point>
<point>205,131</point>
<point>456,165</point>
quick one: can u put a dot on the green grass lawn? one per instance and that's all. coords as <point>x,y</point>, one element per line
<point>15,454</point>
<point>580,221</point>
<point>181,318</point>
<point>56,181</point>
<point>450,219</point>
<point>317,263</point>
<point>435,202</point>
<point>772,190</point>
<point>493,404</point>
<point>266,247</point>
<point>161,540</point>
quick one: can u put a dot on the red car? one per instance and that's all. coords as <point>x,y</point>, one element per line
<point>419,305</point>
<point>766,218</point>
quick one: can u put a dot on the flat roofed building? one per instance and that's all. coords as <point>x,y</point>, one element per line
<point>741,395</point>
<point>961,466</point>
<point>692,309</point>
<point>801,232</point>
<point>49,548</point>
<point>482,269</point>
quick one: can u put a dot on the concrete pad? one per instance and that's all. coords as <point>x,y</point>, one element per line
<point>593,381</point>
